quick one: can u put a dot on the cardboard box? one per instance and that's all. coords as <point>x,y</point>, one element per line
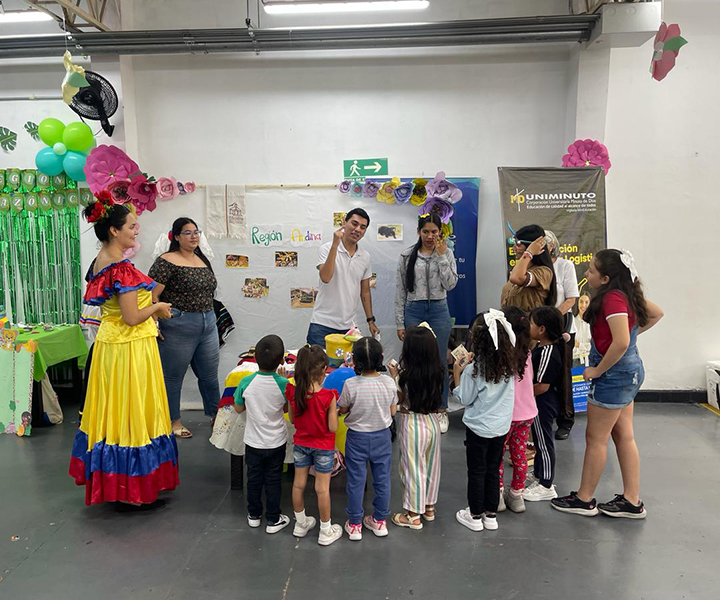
<point>713,383</point>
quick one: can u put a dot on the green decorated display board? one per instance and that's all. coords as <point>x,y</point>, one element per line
<point>40,278</point>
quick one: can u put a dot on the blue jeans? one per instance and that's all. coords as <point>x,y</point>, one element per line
<point>191,339</point>
<point>316,333</point>
<point>361,447</point>
<point>322,460</point>
<point>437,315</point>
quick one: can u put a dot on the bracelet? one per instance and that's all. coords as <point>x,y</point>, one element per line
<point>527,254</point>
<point>370,319</point>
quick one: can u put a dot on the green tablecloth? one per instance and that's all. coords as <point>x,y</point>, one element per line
<point>56,346</point>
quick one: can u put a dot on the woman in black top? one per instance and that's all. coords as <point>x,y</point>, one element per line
<point>186,280</point>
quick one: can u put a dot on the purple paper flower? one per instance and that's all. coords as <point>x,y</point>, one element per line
<point>444,210</point>
<point>404,192</point>
<point>371,189</point>
<point>344,187</point>
<point>356,189</point>
<point>442,189</point>
<point>586,153</point>
<point>106,164</point>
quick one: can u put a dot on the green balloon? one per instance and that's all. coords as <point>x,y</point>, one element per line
<point>51,131</point>
<point>77,137</point>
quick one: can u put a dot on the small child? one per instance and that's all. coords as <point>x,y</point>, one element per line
<point>420,377</point>
<point>486,387</point>
<point>262,395</point>
<point>371,401</point>
<point>524,411</point>
<point>313,411</point>
<point>548,357</point>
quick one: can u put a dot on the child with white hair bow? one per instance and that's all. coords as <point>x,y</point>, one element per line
<point>485,385</point>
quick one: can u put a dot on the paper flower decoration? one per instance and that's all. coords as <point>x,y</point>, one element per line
<point>447,229</point>
<point>190,187</point>
<point>370,189</point>
<point>167,188</point>
<point>668,42</point>
<point>142,194</point>
<point>119,191</point>
<point>74,78</point>
<point>587,153</point>
<point>356,189</point>
<point>444,210</point>
<point>386,192</point>
<point>105,164</point>
<point>344,187</point>
<point>404,192</point>
<point>442,189</point>
<point>419,194</point>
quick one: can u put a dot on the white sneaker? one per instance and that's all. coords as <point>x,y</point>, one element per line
<point>354,531</point>
<point>489,523</point>
<point>282,523</point>
<point>537,492</point>
<point>465,517</point>
<point>328,537</point>
<point>301,529</point>
<point>501,504</point>
<point>253,522</point>
<point>515,503</point>
<point>444,422</point>
<point>530,479</point>
<point>379,528</point>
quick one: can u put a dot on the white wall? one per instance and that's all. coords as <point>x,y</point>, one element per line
<point>662,190</point>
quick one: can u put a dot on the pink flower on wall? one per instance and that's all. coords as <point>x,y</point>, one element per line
<point>119,190</point>
<point>142,194</point>
<point>587,153</point>
<point>668,42</point>
<point>106,164</point>
<point>167,188</point>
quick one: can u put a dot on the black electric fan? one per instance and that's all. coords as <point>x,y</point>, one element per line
<point>97,102</point>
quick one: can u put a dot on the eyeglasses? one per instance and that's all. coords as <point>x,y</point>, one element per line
<point>517,242</point>
<point>191,233</point>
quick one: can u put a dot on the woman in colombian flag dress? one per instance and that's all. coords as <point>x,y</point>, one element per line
<point>124,450</point>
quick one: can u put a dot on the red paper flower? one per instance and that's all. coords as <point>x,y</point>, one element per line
<point>586,153</point>
<point>119,190</point>
<point>142,194</point>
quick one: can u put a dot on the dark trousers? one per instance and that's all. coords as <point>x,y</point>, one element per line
<point>549,406</point>
<point>483,464</point>
<point>264,470</point>
<point>566,418</point>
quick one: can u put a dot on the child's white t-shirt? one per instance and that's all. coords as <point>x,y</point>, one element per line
<point>369,400</point>
<point>263,395</point>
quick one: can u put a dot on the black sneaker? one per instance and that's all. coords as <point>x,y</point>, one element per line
<point>621,507</point>
<point>573,504</point>
<point>562,433</point>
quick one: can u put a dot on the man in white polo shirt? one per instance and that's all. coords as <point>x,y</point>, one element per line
<point>344,275</point>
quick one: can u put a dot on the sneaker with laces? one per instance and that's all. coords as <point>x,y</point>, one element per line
<point>379,528</point>
<point>489,521</point>
<point>254,521</point>
<point>537,492</point>
<point>622,507</point>
<point>572,504</point>
<point>301,529</point>
<point>464,517</point>
<point>282,522</point>
<point>444,422</point>
<point>515,502</point>
<point>501,504</point>
<point>329,536</point>
<point>354,531</point>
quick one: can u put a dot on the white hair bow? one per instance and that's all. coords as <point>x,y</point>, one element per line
<point>627,259</point>
<point>163,245</point>
<point>426,325</point>
<point>492,318</point>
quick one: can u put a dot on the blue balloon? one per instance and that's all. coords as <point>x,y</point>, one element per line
<point>74,165</point>
<point>48,162</point>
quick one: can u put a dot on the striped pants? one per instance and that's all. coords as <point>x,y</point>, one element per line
<point>419,437</point>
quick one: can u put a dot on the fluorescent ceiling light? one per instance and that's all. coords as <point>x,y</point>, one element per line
<point>24,16</point>
<point>285,8</point>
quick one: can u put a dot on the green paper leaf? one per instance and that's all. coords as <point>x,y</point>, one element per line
<point>8,139</point>
<point>13,406</point>
<point>32,130</point>
<point>675,43</point>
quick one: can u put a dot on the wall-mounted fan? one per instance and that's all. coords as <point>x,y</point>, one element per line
<point>97,102</point>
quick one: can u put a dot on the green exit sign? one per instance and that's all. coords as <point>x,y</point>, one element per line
<point>360,168</point>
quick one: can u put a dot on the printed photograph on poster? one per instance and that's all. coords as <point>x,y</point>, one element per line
<point>390,233</point>
<point>255,287</point>
<point>236,261</point>
<point>373,280</point>
<point>286,259</point>
<point>302,297</point>
<point>338,219</point>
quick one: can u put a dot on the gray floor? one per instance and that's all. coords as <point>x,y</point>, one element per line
<point>200,546</point>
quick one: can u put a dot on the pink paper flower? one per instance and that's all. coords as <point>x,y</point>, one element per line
<point>130,252</point>
<point>668,42</point>
<point>587,153</point>
<point>118,189</point>
<point>167,188</point>
<point>444,190</point>
<point>142,194</point>
<point>190,187</point>
<point>106,164</point>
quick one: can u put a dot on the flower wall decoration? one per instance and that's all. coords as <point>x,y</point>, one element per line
<point>356,189</point>
<point>371,189</point>
<point>442,189</point>
<point>419,194</point>
<point>443,209</point>
<point>404,192</point>
<point>668,42</point>
<point>386,192</point>
<point>587,153</point>
<point>106,164</point>
<point>142,193</point>
<point>344,187</point>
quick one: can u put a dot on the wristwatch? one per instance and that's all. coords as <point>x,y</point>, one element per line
<point>370,319</point>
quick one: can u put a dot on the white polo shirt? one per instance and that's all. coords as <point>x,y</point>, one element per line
<point>337,302</point>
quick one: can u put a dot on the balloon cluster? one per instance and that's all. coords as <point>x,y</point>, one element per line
<point>68,147</point>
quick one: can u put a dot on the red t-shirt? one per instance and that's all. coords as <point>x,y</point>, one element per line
<point>613,303</point>
<point>311,427</point>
